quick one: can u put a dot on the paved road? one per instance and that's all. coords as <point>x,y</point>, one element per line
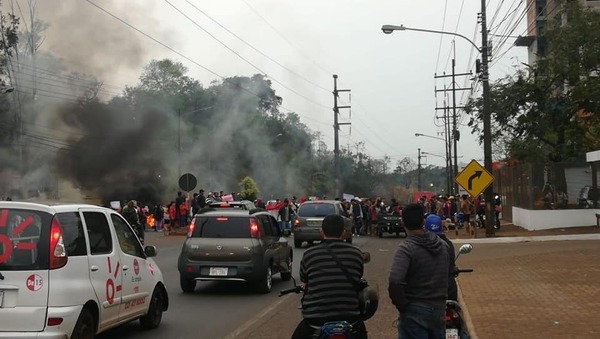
<point>214,310</point>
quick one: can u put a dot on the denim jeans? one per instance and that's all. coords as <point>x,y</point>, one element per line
<point>421,321</point>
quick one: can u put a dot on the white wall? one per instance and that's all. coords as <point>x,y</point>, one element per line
<point>546,219</point>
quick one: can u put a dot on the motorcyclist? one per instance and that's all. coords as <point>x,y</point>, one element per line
<point>328,293</point>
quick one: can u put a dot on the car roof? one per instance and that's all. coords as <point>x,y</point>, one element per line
<point>321,202</point>
<point>228,212</point>
<point>50,208</point>
<point>237,202</point>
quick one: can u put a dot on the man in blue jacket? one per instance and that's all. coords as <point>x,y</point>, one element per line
<point>418,281</point>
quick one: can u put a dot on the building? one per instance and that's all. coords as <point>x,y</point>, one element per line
<point>538,13</point>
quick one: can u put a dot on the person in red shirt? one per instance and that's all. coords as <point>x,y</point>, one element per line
<point>172,217</point>
<point>183,214</point>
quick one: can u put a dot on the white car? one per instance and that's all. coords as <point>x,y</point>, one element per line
<point>73,271</point>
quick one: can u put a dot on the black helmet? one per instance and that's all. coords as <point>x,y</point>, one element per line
<point>368,300</point>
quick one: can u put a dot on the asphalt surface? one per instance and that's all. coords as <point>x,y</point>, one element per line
<point>526,285</point>
<point>214,310</point>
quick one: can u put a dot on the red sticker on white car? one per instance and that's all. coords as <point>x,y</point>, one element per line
<point>34,282</point>
<point>136,267</point>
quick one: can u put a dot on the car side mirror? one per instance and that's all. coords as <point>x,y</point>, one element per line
<point>150,251</point>
<point>466,248</point>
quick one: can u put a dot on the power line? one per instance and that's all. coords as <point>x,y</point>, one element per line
<point>437,62</point>
<point>64,76</point>
<point>285,39</point>
<point>173,50</point>
<point>259,51</point>
<point>241,57</point>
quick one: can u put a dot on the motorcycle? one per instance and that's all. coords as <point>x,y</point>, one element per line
<point>586,197</point>
<point>455,325</point>
<point>339,329</point>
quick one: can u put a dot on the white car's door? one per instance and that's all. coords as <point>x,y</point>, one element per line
<point>105,266</point>
<point>138,282</point>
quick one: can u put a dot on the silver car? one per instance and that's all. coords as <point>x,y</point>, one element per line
<point>307,225</point>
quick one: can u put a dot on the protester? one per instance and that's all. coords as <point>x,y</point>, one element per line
<point>201,199</point>
<point>173,216</point>
<point>357,217</point>
<point>183,214</point>
<point>178,200</point>
<point>159,217</point>
<point>418,281</point>
<point>286,215</point>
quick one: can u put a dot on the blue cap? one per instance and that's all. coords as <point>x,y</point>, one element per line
<point>433,224</point>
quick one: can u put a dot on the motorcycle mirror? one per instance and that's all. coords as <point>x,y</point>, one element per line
<point>366,257</point>
<point>466,248</point>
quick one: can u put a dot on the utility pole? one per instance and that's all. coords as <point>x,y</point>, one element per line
<point>487,122</point>
<point>452,137</point>
<point>179,143</point>
<point>448,135</point>
<point>336,137</point>
<point>455,133</point>
<point>419,187</point>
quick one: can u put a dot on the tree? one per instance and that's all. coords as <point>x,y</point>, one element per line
<point>248,189</point>
<point>550,111</point>
<point>9,25</point>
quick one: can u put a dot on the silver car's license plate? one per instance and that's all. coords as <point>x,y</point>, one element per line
<point>218,271</point>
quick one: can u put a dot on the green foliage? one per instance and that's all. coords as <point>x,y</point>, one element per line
<point>170,124</point>
<point>248,189</point>
<point>550,111</point>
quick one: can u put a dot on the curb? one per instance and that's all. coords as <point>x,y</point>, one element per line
<point>466,315</point>
<point>500,240</point>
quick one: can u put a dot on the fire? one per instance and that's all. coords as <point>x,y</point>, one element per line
<point>150,221</point>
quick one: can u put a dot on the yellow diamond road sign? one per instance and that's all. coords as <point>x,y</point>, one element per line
<point>474,178</point>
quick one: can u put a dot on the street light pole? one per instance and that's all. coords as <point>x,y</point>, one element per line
<point>419,187</point>
<point>448,157</point>
<point>487,120</point>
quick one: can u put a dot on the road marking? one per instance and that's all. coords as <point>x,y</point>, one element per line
<point>259,317</point>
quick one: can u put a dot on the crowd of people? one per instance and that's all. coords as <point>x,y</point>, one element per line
<point>463,211</point>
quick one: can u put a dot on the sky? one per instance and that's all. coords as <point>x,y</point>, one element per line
<point>299,45</point>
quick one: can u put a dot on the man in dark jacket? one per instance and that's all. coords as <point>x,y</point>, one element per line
<point>433,224</point>
<point>418,282</point>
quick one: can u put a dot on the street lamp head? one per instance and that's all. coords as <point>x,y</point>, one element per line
<point>388,29</point>
<point>418,134</point>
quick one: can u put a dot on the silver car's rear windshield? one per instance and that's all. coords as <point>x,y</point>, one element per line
<point>316,210</point>
<point>221,227</point>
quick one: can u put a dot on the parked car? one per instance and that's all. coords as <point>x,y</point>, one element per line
<point>243,204</point>
<point>307,225</point>
<point>234,245</point>
<point>73,271</point>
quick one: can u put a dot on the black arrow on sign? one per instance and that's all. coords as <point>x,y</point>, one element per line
<point>471,178</point>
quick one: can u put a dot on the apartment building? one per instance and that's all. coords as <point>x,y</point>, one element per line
<point>538,13</point>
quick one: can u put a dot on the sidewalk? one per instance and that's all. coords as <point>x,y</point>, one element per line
<point>529,289</point>
<point>533,289</point>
